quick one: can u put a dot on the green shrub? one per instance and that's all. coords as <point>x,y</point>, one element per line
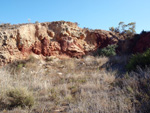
<point>140,60</point>
<point>110,50</point>
<point>19,97</point>
<point>20,65</point>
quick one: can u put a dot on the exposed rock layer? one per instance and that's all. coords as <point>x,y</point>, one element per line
<point>60,39</point>
<point>143,43</point>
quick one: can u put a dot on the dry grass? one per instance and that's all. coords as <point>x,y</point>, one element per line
<point>72,86</point>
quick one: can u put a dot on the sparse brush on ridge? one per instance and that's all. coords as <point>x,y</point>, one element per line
<point>128,30</point>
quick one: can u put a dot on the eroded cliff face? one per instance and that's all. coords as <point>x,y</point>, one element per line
<point>143,43</point>
<point>60,39</point>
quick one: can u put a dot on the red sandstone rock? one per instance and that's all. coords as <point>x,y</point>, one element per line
<point>143,43</point>
<point>61,39</point>
<point>45,47</point>
<point>55,48</point>
<point>37,48</point>
<point>70,47</point>
<point>102,40</point>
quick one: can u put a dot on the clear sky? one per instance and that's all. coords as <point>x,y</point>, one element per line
<point>94,14</point>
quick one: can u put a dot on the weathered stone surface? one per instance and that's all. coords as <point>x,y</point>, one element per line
<point>71,47</point>
<point>61,39</point>
<point>143,43</point>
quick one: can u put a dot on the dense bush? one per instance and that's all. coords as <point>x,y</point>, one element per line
<point>19,97</point>
<point>110,50</point>
<point>137,86</point>
<point>140,60</point>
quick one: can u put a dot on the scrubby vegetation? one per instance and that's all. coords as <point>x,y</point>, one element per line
<point>108,51</point>
<point>84,85</point>
<point>140,60</point>
<point>137,86</point>
<point>19,97</point>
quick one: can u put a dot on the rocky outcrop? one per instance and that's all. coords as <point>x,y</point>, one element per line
<point>143,43</point>
<point>58,39</point>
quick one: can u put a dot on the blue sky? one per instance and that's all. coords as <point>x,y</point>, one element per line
<point>94,14</point>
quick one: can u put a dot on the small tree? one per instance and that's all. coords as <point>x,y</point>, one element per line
<point>112,29</point>
<point>126,29</point>
<point>36,22</point>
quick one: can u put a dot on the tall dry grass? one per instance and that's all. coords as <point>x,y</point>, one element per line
<point>73,86</point>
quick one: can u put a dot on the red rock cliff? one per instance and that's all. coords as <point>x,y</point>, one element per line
<point>143,43</point>
<point>50,39</point>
